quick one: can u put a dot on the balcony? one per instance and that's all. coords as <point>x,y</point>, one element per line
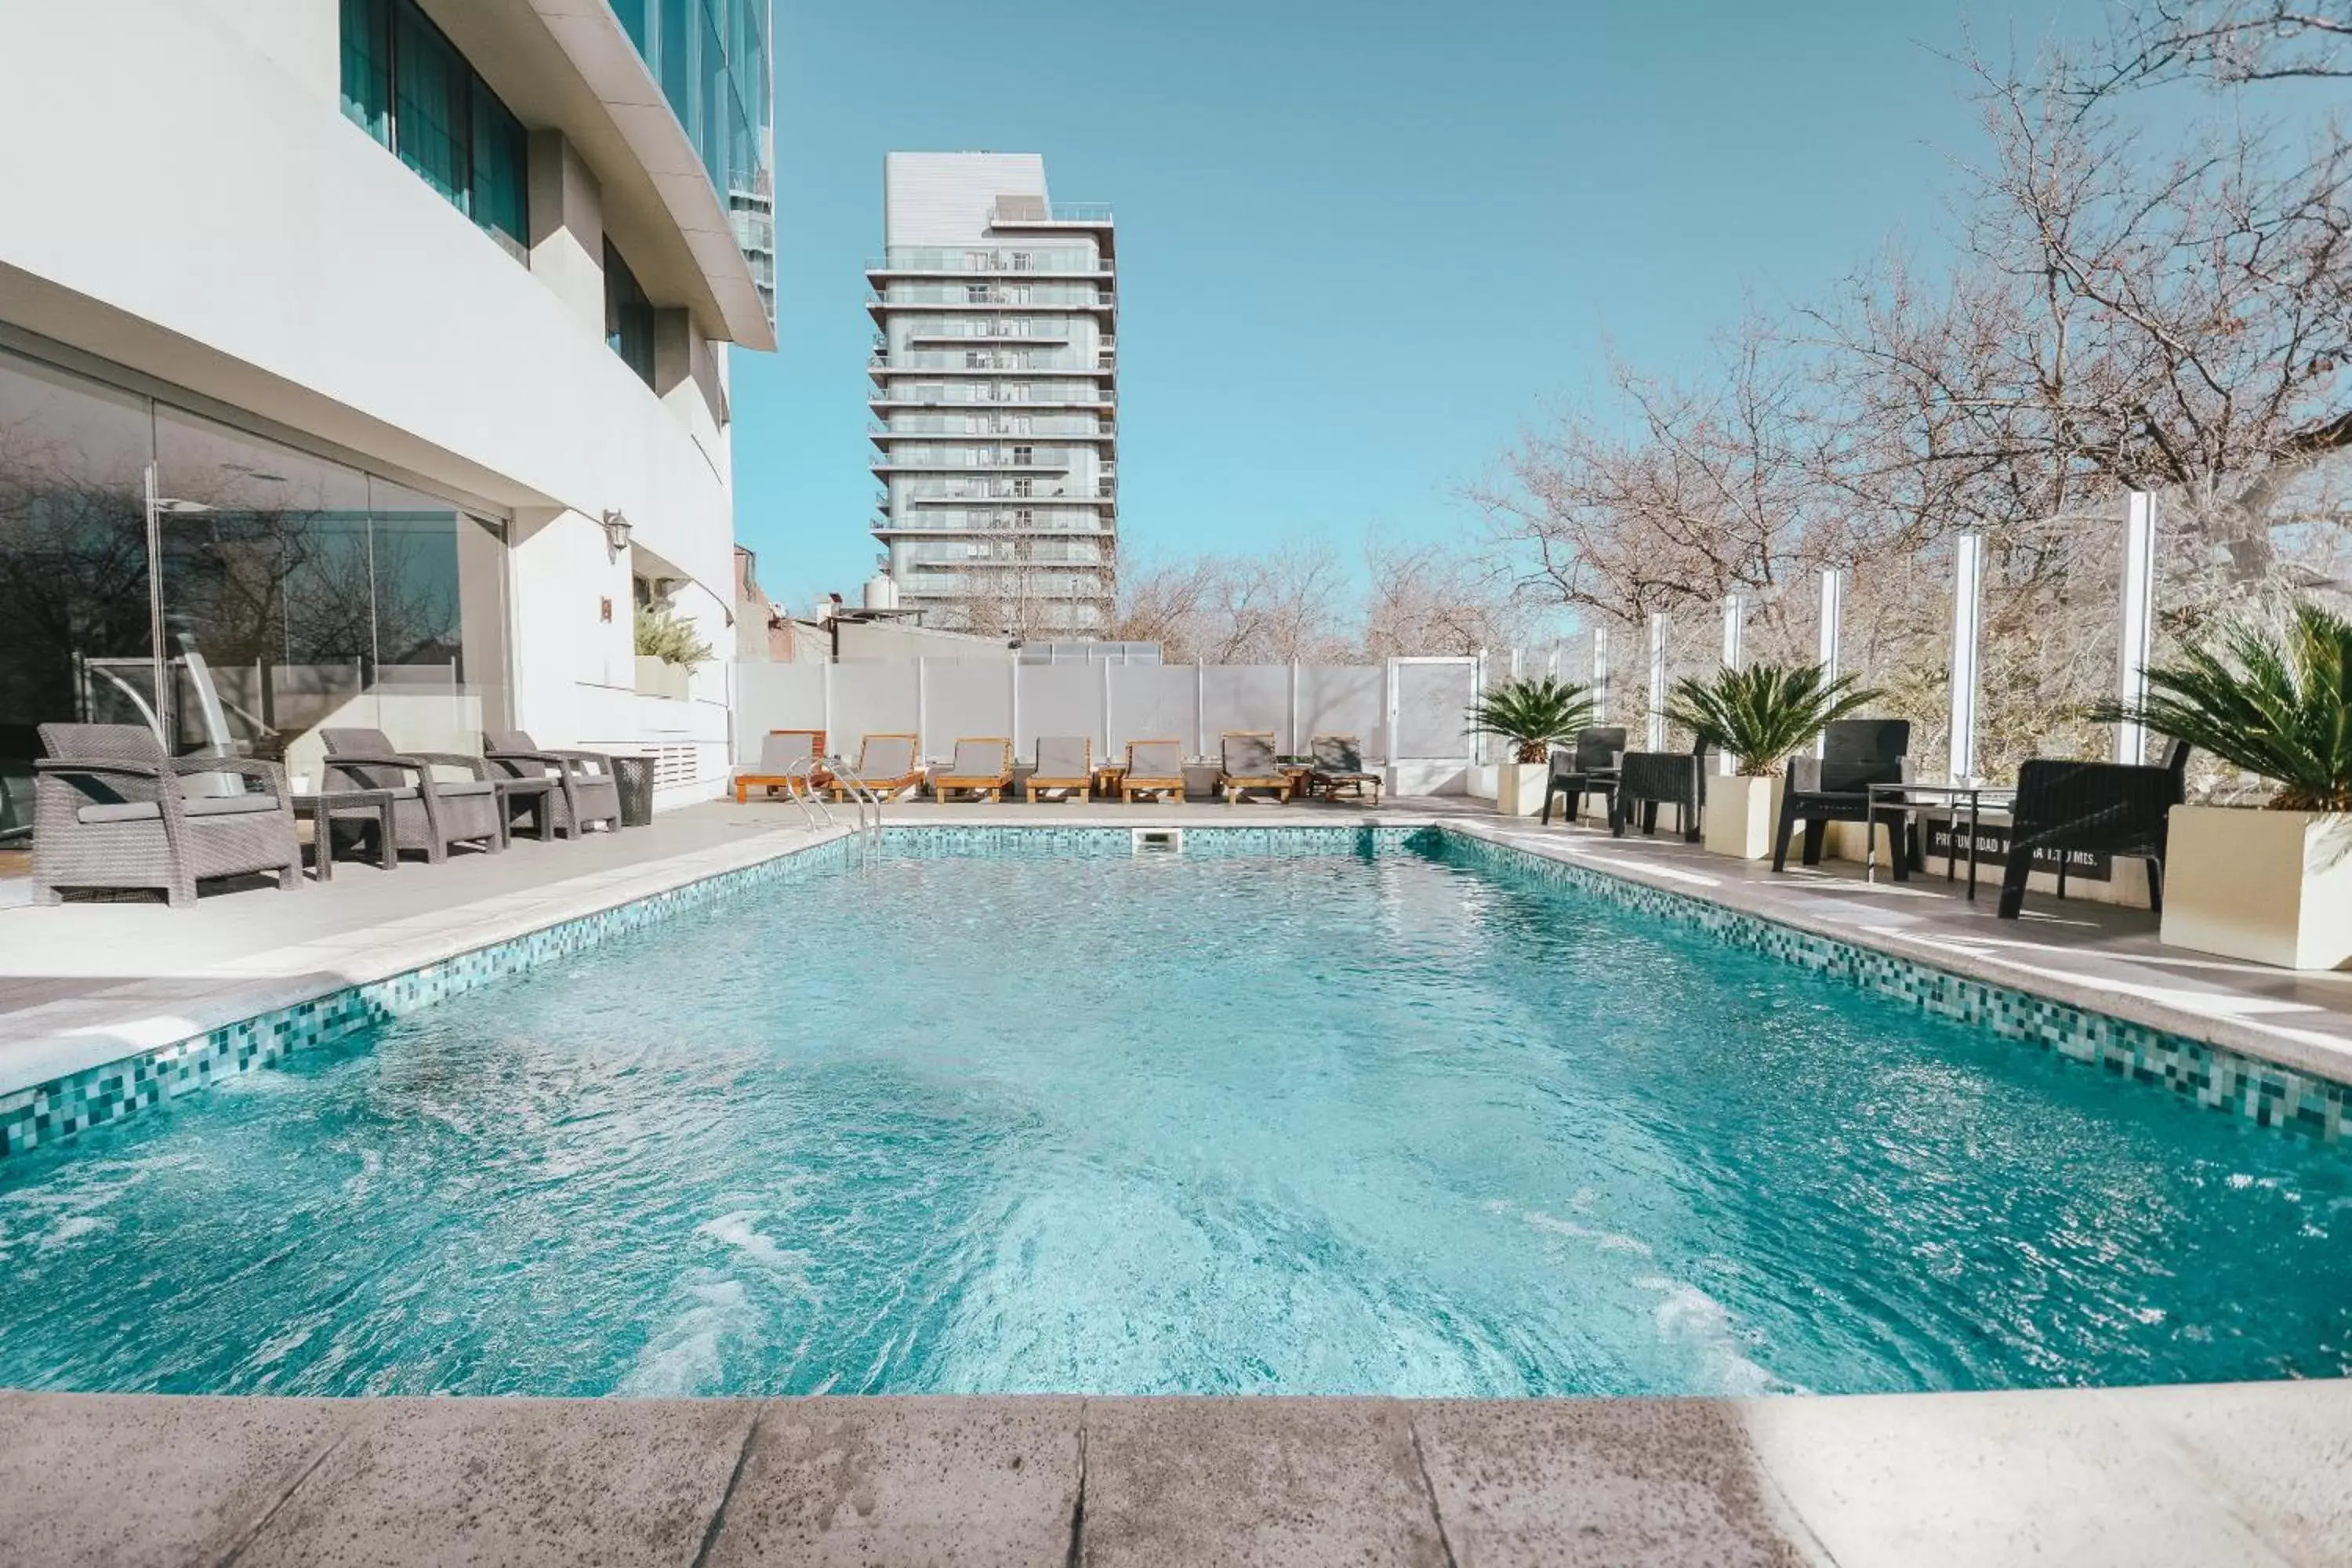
<point>909,262</point>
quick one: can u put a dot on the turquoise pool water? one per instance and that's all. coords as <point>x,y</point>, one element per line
<point>1325,1124</point>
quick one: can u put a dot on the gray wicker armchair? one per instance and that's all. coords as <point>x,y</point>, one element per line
<point>429,812</point>
<point>112,811</point>
<point>587,790</point>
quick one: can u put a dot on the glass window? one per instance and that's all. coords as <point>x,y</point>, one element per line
<point>676,61</point>
<point>432,124</point>
<point>367,66</point>
<point>632,14</point>
<point>501,173</point>
<point>76,644</point>
<point>628,316</point>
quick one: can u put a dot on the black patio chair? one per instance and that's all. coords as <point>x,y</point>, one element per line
<point>1648,780</point>
<point>1836,787</point>
<point>2118,809</point>
<point>1590,767</point>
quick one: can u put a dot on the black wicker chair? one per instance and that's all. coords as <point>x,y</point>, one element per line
<point>1836,787</point>
<point>587,789</point>
<point>429,812</point>
<point>111,811</point>
<point>1648,780</point>
<point>2118,809</point>
<point>1589,768</point>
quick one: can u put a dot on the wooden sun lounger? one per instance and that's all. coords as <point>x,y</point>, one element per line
<point>1055,768</point>
<point>1339,765</point>
<point>982,769</point>
<point>886,763</point>
<point>1153,767</point>
<point>1247,763</point>
<point>777,754</point>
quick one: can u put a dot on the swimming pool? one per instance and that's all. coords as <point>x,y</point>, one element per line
<point>1349,1123</point>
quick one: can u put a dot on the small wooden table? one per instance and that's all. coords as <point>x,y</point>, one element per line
<point>1108,776</point>
<point>321,811</point>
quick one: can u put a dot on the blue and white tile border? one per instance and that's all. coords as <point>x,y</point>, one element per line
<point>2269,1095</point>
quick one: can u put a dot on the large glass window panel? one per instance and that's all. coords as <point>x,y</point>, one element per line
<point>430,92</point>
<point>632,14</point>
<point>676,60</point>
<point>714,95</point>
<point>440,620</point>
<point>628,316</point>
<point>2048,645</point>
<point>75,611</point>
<point>367,66</point>
<point>501,174</point>
<point>265,567</point>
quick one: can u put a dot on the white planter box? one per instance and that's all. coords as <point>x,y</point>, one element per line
<point>2271,886</point>
<point>660,677</point>
<point>1519,788</point>
<point>1740,816</point>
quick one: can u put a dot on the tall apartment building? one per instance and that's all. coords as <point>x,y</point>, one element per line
<point>409,379</point>
<point>995,396</point>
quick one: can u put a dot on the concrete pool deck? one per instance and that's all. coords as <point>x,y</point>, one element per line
<point>2258,1475</point>
<point>85,983</point>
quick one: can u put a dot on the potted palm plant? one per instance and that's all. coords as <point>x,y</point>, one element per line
<point>2272,885</point>
<point>1534,716</point>
<point>1760,716</point>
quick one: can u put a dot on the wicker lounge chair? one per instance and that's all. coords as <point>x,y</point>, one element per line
<point>1153,767</point>
<point>982,769</point>
<point>1064,763</point>
<point>1590,768</point>
<point>887,764</point>
<point>111,811</point>
<point>1834,787</point>
<point>430,814</point>
<point>1339,765</point>
<point>587,790</point>
<point>1248,764</point>
<point>786,757</point>
<point>2097,808</point>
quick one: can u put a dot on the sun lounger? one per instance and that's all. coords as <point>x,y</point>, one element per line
<point>1339,765</point>
<point>785,756</point>
<point>886,765</point>
<point>982,769</point>
<point>1153,767</point>
<point>1249,764</point>
<point>1064,763</point>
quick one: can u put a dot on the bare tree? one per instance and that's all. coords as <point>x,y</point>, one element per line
<point>2230,42</point>
<point>1429,600</point>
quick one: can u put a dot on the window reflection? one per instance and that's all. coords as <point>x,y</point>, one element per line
<point>74,638</point>
<point>294,591</point>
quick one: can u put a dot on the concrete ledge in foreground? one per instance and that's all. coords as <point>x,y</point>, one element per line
<point>2256,1474</point>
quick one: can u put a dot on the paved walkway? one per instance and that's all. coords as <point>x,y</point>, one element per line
<point>2248,1475</point>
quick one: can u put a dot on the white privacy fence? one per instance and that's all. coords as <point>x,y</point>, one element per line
<point>1404,710</point>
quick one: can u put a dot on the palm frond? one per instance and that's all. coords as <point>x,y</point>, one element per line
<point>2279,706</point>
<point>1534,715</point>
<point>1763,713</point>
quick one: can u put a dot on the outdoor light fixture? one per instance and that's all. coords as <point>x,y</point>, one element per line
<point>616,532</point>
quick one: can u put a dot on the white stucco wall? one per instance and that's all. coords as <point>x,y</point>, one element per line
<point>180,193</point>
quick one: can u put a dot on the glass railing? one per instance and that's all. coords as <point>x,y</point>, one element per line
<point>924,359</point>
<point>981,428</point>
<point>1045,297</point>
<point>1014,216</point>
<point>990,326</point>
<point>1040,457</point>
<point>980,490</point>
<point>922,258</point>
<point>994,394</point>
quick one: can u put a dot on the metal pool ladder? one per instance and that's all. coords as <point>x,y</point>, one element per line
<point>870,808</point>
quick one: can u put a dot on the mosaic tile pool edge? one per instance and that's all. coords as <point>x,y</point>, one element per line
<point>97,1096</point>
<point>2269,1095</point>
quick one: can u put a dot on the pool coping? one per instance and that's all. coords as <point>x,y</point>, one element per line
<point>2168,1476</point>
<point>66,1084</point>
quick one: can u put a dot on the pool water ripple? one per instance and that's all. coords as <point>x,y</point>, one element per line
<point>1325,1124</point>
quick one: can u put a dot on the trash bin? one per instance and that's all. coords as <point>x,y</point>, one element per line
<point>634,776</point>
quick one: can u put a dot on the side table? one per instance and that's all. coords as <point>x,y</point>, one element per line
<point>535,796</point>
<point>321,811</point>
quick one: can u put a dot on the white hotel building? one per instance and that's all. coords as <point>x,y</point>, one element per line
<point>995,369</point>
<point>365,362</point>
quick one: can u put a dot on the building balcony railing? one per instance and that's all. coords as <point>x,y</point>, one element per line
<point>1016,214</point>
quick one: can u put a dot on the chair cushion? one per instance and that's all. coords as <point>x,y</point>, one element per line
<point>199,805</point>
<point>447,787</point>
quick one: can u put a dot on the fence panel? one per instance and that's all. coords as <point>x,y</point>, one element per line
<point>964,697</point>
<point>1059,699</point>
<point>871,696</point>
<point>1433,699</point>
<point>1154,702</point>
<point>1344,699</point>
<point>775,697</point>
<point>1251,696</point>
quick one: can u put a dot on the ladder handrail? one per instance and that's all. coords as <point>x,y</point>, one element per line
<point>862,793</point>
<point>800,787</point>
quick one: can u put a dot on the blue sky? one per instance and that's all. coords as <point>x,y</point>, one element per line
<point>1361,246</point>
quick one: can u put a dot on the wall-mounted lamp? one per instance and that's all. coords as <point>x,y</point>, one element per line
<point>616,532</point>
